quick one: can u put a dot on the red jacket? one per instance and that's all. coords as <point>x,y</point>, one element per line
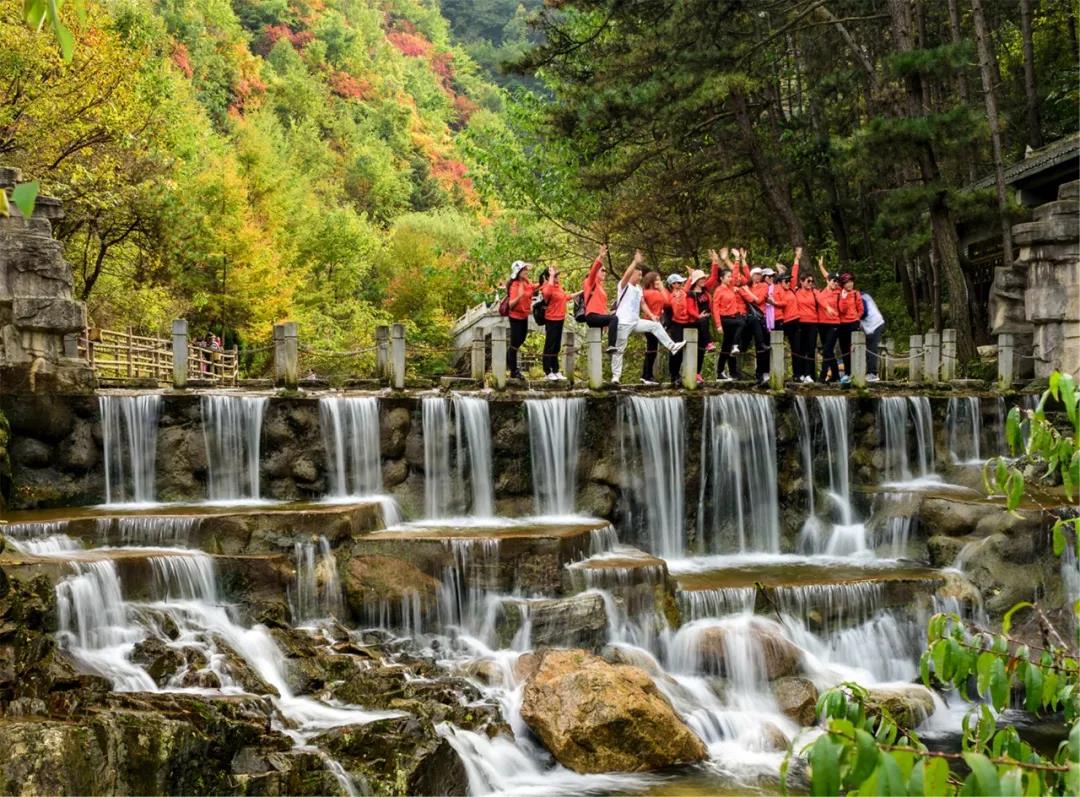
<point>595,296</point>
<point>656,299</point>
<point>760,291</point>
<point>828,299</point>
<point>684,308</point>
<point>727,302</point>
<point>851,306</point>
<point>521,297</point>
<point>806,305</point>
<point>556,298</point>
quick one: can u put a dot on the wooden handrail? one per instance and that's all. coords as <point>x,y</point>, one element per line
<point>114,354</point>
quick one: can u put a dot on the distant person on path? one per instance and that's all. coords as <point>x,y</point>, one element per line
<point>656,299</point>
<point>555,298</point>
<point>596,301</point>
<point>873,324</point>
<point>628,308</point>
<point>520,294</point>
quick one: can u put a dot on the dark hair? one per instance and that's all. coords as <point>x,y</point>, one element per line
<point>724,273</point>
<point>545,275</point>
<point>649,279</point>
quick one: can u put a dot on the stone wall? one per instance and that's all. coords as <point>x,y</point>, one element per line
<point>40,322</point>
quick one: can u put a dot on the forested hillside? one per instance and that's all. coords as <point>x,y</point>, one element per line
<point>242,163</point>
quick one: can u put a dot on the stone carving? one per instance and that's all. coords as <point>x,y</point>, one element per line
<point>40,322</point>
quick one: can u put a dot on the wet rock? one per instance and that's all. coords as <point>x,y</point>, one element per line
<point>374,583</point>
<point>773,740</point>
<point>394,472</point>
<point>797,698</point>
<point>393,432</point>
<point>397,756</point>
<point>908,704</point>
<point>575,622</point>
<point>597,500</point>
<point>160,661</point>
<point>78,451</point>
<point>43,416</point>
<point>486,671</point>
<point>779,656</point>
<point>303,469</point>
<point>31,453</point>
<point>600,717</point>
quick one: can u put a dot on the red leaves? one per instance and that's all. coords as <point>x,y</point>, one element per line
<point>181,59</point>
<point>410,44</point>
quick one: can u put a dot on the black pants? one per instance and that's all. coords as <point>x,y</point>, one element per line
<point>732,327</point>
<point>806,351</point>
<point>791,337</point>
<point>601,320</point>
<point>830,369</point>
<point>843,340</point>
<point>675,360</point>
<point>754,329</point>
<point>552,345</point>
<point>652,346</point>
<point>519,330</point>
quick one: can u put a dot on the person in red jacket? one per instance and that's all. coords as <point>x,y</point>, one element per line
<point>790,283</point>
<point>851,312</point>
<point>555,298</point>
<point>656,298</point>
<point>729,306</point>
<point>829,325</point>
<point>806,302</point>
<point>684,315</point>
<point>521,297</point>
<point>596,301</point>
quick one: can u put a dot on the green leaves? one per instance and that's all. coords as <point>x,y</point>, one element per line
<point>984,773</point>
<point>38,12</point>
<point>1006,620</point>
<point>825,766</point>
<point>24,197</point>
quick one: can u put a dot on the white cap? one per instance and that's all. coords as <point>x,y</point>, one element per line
<point>754,271</point>
<point>676,279</point>
<point>517,268</point>
<point>767,272</point>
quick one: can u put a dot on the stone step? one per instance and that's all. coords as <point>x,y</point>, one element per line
<point>1060,208</point>
<point>1070,190</point>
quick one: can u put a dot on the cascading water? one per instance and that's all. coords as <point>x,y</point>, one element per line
<point>806,450</point>
<point>738,508</point>
<point>316,593</point>
<point>159,530</point>
<point>963,427</point>
<point>232,430</point>
<point>892,420</point>
<point>923,422</point>
<point>444,486</point>
<point>554,438</point>
<point>654,449</point>
<point>129,444</point>
<point>350,431</point>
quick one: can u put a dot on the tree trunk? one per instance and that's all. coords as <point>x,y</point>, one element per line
<point>961,80</point>
<point>776,190</point>
<point>1031,98</point>
<point>982,37</point>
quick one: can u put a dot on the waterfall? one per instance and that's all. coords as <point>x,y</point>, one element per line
<point>554,438</point>
<point>444,487</point>
<point>167,530</point>
<point>963,426</point>
<point>129,442</point>
<point>653,440</point>
<point>834,426</point>
<point>738,486</point>
<point>923,420</point>
<point>350,430</point>
<point>232,429</point>
<point>806,446</point>
<point>317,591</point>
<point>892,420</point>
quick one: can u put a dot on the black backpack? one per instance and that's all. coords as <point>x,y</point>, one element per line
<point>539,308</point>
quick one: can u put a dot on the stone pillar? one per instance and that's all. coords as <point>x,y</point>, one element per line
<point>915,355</point>
<point>1050,254</point>
<point>479,354</point>
<point>279,354</point>
<point>948,355</point>
<point>932,357</point>
<point>1006,361</point>
<point>858,359</point>
<point>689,362</point>
<point>594,353</point>
<point>179,352</point>
<point>569,354</point>
<point>886,366</point>
<point>382,352</point>
<point>397,356</point>
<point>498,355</point>
<point>291,355</point>
<point>777,361</point>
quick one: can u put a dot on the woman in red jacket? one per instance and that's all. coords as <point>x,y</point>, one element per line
<point>555,298</point>
<point>806,306</point>
<point>729,306</point>
<point>684,315</point>
<point>829,326</point>
<point>596,301</point>
<point>655,297</point>
<point>521,296</point>
<point>851,311</point>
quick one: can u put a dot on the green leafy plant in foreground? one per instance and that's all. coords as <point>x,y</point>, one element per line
<point>868,752</point>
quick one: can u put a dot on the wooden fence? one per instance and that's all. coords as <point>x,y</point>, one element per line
<point>125,355</point>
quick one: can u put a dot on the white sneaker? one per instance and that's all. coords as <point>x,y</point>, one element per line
<point>872,378</point>
<point>645,381</point>
<point>724,378</point>
<point>550,377</point>
<point>614,381</point>
<point>678,347</point>
<point>808,380</point>
<point>735,349</point>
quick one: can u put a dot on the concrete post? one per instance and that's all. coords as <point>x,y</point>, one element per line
<point>689,362</point>
<point>479,354</point>
<point>397,356</point>
<point>180,353</point>
<point>886,366</point>
<point>915,355</point>
<point>858,359</point>
<point>594,351</point>
<point>279,354</point>
<point>291,353</point>
<point>777,360</point>
<point>1006,350</point>
<point>948,355</point>
<point>382,352</point>
<point>932,355</point>
<point>569,354</point>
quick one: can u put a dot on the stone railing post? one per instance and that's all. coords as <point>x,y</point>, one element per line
<point>569,354</point>
<point>689,362</point>
<point>593,353</point>
<point>858,359</point>
<point>886,366</point>
<point>479,354</point>
<point>1006,351</point>
<point>915,355</point>
<point>397,356</point>
<point>948,355</point>
<point>291,354</point>
<point>932,355</point>
<point>777,360</point>
<point>179,353</point>
<point>279,354</point>
<point>382,352</point>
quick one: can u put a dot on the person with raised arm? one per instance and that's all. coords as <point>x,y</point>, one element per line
<point>656,298</point>
<point>684,315</point>
<point>628,309</point>
<point>729,307</point>
<point>829,323</point>
<point>596,301</point>
<point>851,311</point>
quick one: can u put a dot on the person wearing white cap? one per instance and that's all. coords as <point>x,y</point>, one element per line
<point>520,295</point>
<point>628,312</point>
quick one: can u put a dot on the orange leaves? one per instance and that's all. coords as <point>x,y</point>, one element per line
<point>410,44</point>
<point>181,59</point>
<point>350,87</point>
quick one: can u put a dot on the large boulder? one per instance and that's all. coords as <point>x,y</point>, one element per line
<point>797,698</point>
<point>720,646</point>
<point>908,704</point>
<point>599,717</point>
<point>575,622</point>
<point>382,587</point>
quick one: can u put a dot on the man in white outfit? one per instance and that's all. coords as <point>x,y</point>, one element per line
<point>628,309</point>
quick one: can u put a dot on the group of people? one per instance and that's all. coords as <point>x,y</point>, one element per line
<point>743,303</point>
